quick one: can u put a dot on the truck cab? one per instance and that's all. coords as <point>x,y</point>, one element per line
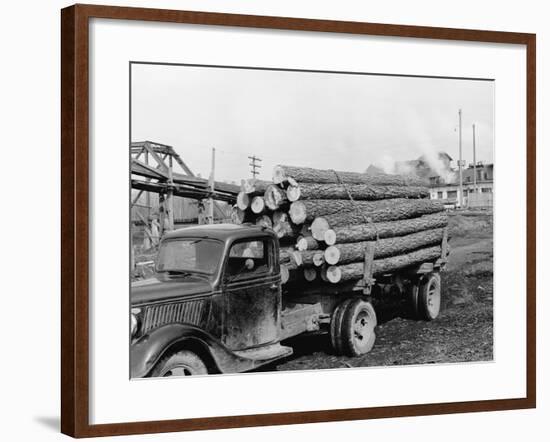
<point>213,306</point>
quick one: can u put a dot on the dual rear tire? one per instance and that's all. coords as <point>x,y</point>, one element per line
<point>352,327</point>
<point>425,297</point>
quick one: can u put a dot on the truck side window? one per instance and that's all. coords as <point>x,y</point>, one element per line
<point>247,258</point>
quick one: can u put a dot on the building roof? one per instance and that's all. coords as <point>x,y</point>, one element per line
<point>374,170</point>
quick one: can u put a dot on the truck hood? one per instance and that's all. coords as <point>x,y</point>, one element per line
<point>168,288</point>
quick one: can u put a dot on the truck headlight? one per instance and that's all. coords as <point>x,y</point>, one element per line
<point>134,322</point>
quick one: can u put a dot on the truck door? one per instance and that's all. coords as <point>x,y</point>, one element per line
<point>252,293</point>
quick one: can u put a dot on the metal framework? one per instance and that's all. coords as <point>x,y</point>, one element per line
<point>152,169</point>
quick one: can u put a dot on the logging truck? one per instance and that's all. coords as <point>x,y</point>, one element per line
<point>217,304</point>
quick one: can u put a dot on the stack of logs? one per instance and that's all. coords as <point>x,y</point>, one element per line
<point>326,220</point>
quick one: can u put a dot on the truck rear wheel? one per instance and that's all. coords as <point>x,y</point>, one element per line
<point>413,292</point>
<point>336,325</point>
<point>352,327</point>
<point>429,296</point>
<point>181,363</point>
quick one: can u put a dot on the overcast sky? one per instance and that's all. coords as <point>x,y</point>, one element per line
<point>338,121</point>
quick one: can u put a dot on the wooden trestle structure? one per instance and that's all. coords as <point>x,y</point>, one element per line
<point>152,170</point>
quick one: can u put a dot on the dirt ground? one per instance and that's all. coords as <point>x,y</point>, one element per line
<point>463,332</point>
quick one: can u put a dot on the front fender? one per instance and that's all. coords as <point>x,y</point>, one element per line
<point>147,350</point>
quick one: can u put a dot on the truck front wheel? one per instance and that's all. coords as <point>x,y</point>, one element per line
<point>181,363</point>
<point>352,327</point>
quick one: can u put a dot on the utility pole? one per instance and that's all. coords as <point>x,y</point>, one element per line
<point>254,164</point>
<point>169,202</point>
<point>460,198</point>
<point>210,215</point>
<point>474,146</point>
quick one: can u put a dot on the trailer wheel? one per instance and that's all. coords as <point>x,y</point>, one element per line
<point>358,328</point>
<point>429,296</point>
<point>336,325</point>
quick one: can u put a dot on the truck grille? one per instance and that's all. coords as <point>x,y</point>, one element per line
<point>190,312</point>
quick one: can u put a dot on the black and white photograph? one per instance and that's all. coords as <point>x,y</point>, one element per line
<point>302,220</point>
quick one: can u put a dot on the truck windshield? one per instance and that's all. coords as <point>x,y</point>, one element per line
<point>189,255</point>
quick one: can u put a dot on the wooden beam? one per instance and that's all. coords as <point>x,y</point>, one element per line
<point>181,191</point>
<point>368,266</point>
<point>136,198</point>
<point>145,170</point>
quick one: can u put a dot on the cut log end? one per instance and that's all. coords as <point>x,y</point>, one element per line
<point>274,197</point>
<point>333,274</point>
<point>264,221</point>
<point>301,244</point>
<point>318,228</point>
<point>285,274</point>
<point>257,205</point>
<point>293,193</point>
<point>330,237</point>
<point>306,242</point>
<point>297,257</point>
<point>248,185</point>
<point>279,175</point>
<point>318,259</point>
<point>297,212</point>
<point>243,201</point>
<point>310,274</point>
<point>332,255</point>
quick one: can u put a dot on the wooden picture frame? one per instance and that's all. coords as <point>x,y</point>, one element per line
<point>75,245</point>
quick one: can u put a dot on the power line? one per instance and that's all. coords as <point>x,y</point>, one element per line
<point>254,165</point>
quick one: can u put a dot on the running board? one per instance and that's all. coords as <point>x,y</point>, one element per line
<point>265,354</point>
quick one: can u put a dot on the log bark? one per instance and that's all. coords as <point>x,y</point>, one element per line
<point>282,173</point>
<point>275,197</point>
<point>359,192</point>
<point>355,252</point>
<point>390,210</point>
<point>308,210</point>
<point>354,271</point>
<point>367,232</point>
